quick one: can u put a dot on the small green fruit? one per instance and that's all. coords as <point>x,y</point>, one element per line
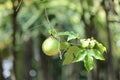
<point>51,46</point>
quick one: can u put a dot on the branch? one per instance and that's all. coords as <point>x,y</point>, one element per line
<point>14,7</point>
<point>114,21</point>
<point>19,5</point>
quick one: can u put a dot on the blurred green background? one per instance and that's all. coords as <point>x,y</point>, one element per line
<point>24,26</point>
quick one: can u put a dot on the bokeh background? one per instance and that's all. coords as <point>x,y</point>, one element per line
<point>24,26</point>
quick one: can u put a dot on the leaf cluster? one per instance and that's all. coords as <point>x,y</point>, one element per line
<point>85,50</point>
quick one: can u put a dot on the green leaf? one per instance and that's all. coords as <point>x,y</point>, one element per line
<point>101,48</point>
<point>92,43</point>
<point>80,56</point>
<point>62,33</point>
<point>64,45</point>
<point>85,42</point>
<point>88,62</point>
<point>96,54</point>
<point>71,35</point>
<point>70,54</point>
<point>52,31</point>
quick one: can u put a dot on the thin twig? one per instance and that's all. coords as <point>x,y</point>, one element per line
<point>114,21</point>
<point>47,16</point>
<point>18,7</point>
<point>60,54</point>
<point>51,27</point>
<point>13,5</point>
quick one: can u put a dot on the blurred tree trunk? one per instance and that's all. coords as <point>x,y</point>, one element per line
<point>50,68</point>
<point>91,31</point>
<point>1,69</point>
<point>45,62</point>
<point>57,68</point>
<point>71,72</point>
<point>14,44</point>
<point>14,16</point>
<point>15,26</point>
<point>110,65</point>
<point>28,55</point>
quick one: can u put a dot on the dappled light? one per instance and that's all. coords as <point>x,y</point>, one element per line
<point>59,40</point>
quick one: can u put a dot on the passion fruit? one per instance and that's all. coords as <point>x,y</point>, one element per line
<point>51,46</point>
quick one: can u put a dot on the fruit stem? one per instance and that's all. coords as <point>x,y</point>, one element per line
<point>60,55</point>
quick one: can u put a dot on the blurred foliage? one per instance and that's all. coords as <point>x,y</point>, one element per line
<point>64,15</point>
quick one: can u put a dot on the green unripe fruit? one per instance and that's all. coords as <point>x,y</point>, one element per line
<point>51,46</point>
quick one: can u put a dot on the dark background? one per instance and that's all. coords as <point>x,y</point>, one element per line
<point>24,26</point>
